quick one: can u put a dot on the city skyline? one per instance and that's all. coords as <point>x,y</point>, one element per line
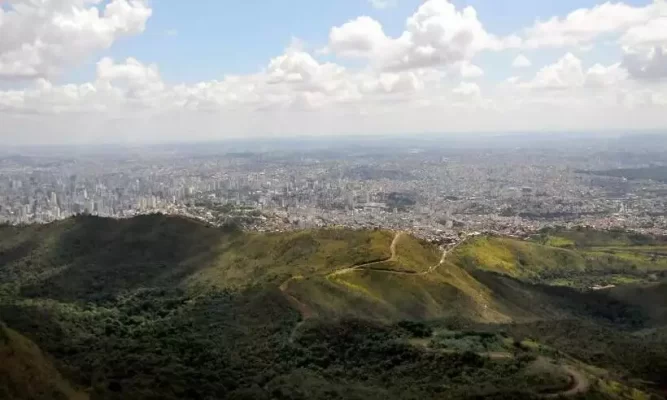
<point>433,189</point>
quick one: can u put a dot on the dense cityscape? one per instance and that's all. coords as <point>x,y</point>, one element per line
<point>434,189</point>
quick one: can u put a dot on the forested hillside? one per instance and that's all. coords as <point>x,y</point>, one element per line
<point>160,307</point>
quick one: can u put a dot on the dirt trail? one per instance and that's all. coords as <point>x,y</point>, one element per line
<point>442,259</point>
<point>392,248</point>
<point>307,312</point>
<point>304,309</point>
<point>392,257</point>
<point>580,384</point>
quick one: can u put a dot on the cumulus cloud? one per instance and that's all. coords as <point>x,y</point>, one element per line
<point>382,4</point>
<point>521,61</point>
<point>646,64</point>
<point>436,34</point>
<point>466,70</point>
<point>361,37</point>
<point>467,89</point>
<point>652,33</point>
<point>119,87</point>
<point>420,80</point>
<point>293,80</point>
<point>568,73</point>
<point>600,76</point>
<point>565,73</point>
<point>405,82</point>
<point>584,25</point>
<point>38,39</point>
<point>301,70</point>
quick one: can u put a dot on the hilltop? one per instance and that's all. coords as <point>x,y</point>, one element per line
<point>159,306</point>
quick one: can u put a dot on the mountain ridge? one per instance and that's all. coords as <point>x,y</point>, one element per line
<point>167,305</point>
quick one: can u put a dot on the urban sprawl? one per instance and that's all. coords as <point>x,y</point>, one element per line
<point>437,194</point>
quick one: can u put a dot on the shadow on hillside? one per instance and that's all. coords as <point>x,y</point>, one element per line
<point>526,301</point>
<point>103,257</point>
<point>10,254</point>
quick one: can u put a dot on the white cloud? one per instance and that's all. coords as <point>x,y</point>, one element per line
<point>38,39</point>
<point>382,4</point>
<point>521,61</point>
<point>392,83</point>
<point>293,80</point>
<point>585,25</point>
<point>125,87</point>
<point>436,34</point>
<point>569,73</point>
<point>301,70</point>
<point>467,89</point>
<point>565,73</point>
<point>362,37</point>
<point>600,76</point>
<point>467,70</point>
<point>646,64</point>
<point>419,80</point>
<point>652,33</point>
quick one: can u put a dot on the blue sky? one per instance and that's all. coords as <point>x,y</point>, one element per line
<point>219,37</point>
<point>244,68</point>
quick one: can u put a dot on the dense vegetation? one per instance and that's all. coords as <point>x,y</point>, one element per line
<point>656,173</point>
<point>578,258</point>
<point>160,307</point>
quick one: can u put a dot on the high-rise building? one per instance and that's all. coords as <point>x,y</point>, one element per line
<point>90,206</point>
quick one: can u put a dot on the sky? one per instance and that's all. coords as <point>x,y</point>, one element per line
<point>135,71</point>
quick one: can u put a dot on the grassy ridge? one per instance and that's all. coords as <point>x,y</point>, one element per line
<point>98,259</point>
<point>413,254</point>
<point>371,294</point>
<point>568,258</point>
<point>588,237</point>
<point>250,258</point>
<point>516,258</point>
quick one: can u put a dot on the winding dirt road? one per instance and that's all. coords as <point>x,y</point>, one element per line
<point>580,384</point>
<point>392,257</point>
<point>370,266</point>
<point>303,308</point>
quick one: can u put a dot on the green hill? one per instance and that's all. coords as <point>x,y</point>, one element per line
<point>96,259</point>
<point>578,259</point>
<point>517,258</point>
<point>27,374</point>
<point>170,308</point>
